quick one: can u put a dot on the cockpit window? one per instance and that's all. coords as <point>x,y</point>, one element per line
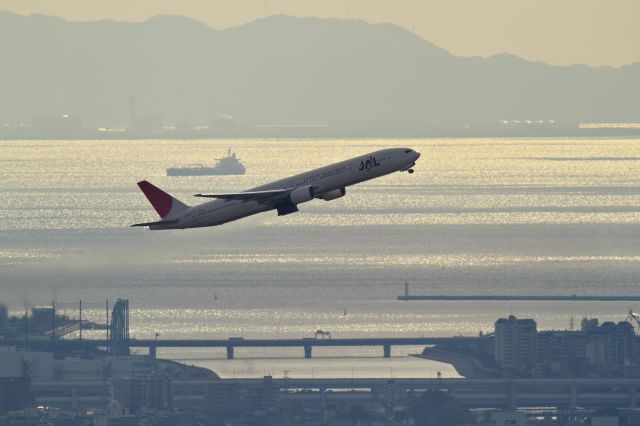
<point>406,151</point>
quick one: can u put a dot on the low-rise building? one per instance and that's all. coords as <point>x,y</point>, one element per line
<point>223,399</point>
<point>502,418</point>
<point>605,421</point>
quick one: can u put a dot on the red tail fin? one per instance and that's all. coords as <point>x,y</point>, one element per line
<point>160,200</point>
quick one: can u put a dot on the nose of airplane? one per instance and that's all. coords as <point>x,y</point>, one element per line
<point>411,154</point>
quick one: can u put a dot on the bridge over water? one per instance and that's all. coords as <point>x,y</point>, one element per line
<point>231,343</point>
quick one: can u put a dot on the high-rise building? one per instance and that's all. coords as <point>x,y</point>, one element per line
<point>4,317</point>
<point>270,395</point>
<point>128,392</point>
<point>515,343</point>
<point>158,391</point>
<point>612,344</point>
<point>153,391</point>
<point>265,399</point>
<point>119,329</point>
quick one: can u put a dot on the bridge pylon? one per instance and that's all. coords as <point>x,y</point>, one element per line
<point>387,351</point>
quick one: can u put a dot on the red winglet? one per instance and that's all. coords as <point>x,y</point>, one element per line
<point>160,200</point>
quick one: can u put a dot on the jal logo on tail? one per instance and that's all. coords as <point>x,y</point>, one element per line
<point>370,163</point>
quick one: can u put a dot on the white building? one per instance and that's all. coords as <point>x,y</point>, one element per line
<point>14,363</point>
<point>41,366</point>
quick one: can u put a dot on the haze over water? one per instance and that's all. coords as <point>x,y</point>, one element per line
<point>534,216</point>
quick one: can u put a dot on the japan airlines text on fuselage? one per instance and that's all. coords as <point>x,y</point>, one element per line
<point>327,183</point>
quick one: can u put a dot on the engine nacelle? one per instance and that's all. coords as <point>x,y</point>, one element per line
<point>332,195</point>
<point>301,195</point>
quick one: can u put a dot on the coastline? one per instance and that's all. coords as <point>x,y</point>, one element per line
<point>181,371</point>
<point>570,131</point>
<point>467,366</point>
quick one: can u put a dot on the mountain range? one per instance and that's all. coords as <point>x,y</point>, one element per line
<point>283,70</point>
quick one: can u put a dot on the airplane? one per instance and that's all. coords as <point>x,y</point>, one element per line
<point>327,183</point>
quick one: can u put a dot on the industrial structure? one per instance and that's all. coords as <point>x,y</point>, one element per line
<point>545,373</point>
<point>119,328</point>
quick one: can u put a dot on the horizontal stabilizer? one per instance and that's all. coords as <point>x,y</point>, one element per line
<point>160,222</point>
<point>246,196</point>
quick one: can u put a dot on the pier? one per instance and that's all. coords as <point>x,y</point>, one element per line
<point>534,298</point>
<point>572,298</point>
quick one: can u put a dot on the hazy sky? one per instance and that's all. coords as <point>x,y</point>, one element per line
<point>594,32</point>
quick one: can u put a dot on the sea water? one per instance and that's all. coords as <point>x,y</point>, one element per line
<point>478,216</point>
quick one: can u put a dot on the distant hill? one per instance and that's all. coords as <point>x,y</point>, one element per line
<point>284,70</point>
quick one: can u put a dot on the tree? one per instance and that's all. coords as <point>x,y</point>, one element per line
<point>358,414</point>
<point>435,408</point>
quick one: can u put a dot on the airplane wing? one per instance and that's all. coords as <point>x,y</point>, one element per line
<point>249,195</point>
<point>160,222</point>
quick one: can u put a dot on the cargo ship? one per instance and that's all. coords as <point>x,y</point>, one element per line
<point>229,165</point>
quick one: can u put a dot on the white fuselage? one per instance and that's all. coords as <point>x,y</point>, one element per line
<point>323,180</point>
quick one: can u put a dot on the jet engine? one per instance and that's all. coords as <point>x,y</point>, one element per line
<point>297,196</point>
<point>332,195</point>
<point>301,194</point>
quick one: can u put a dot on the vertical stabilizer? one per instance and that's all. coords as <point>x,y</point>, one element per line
<point>163,203</point>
